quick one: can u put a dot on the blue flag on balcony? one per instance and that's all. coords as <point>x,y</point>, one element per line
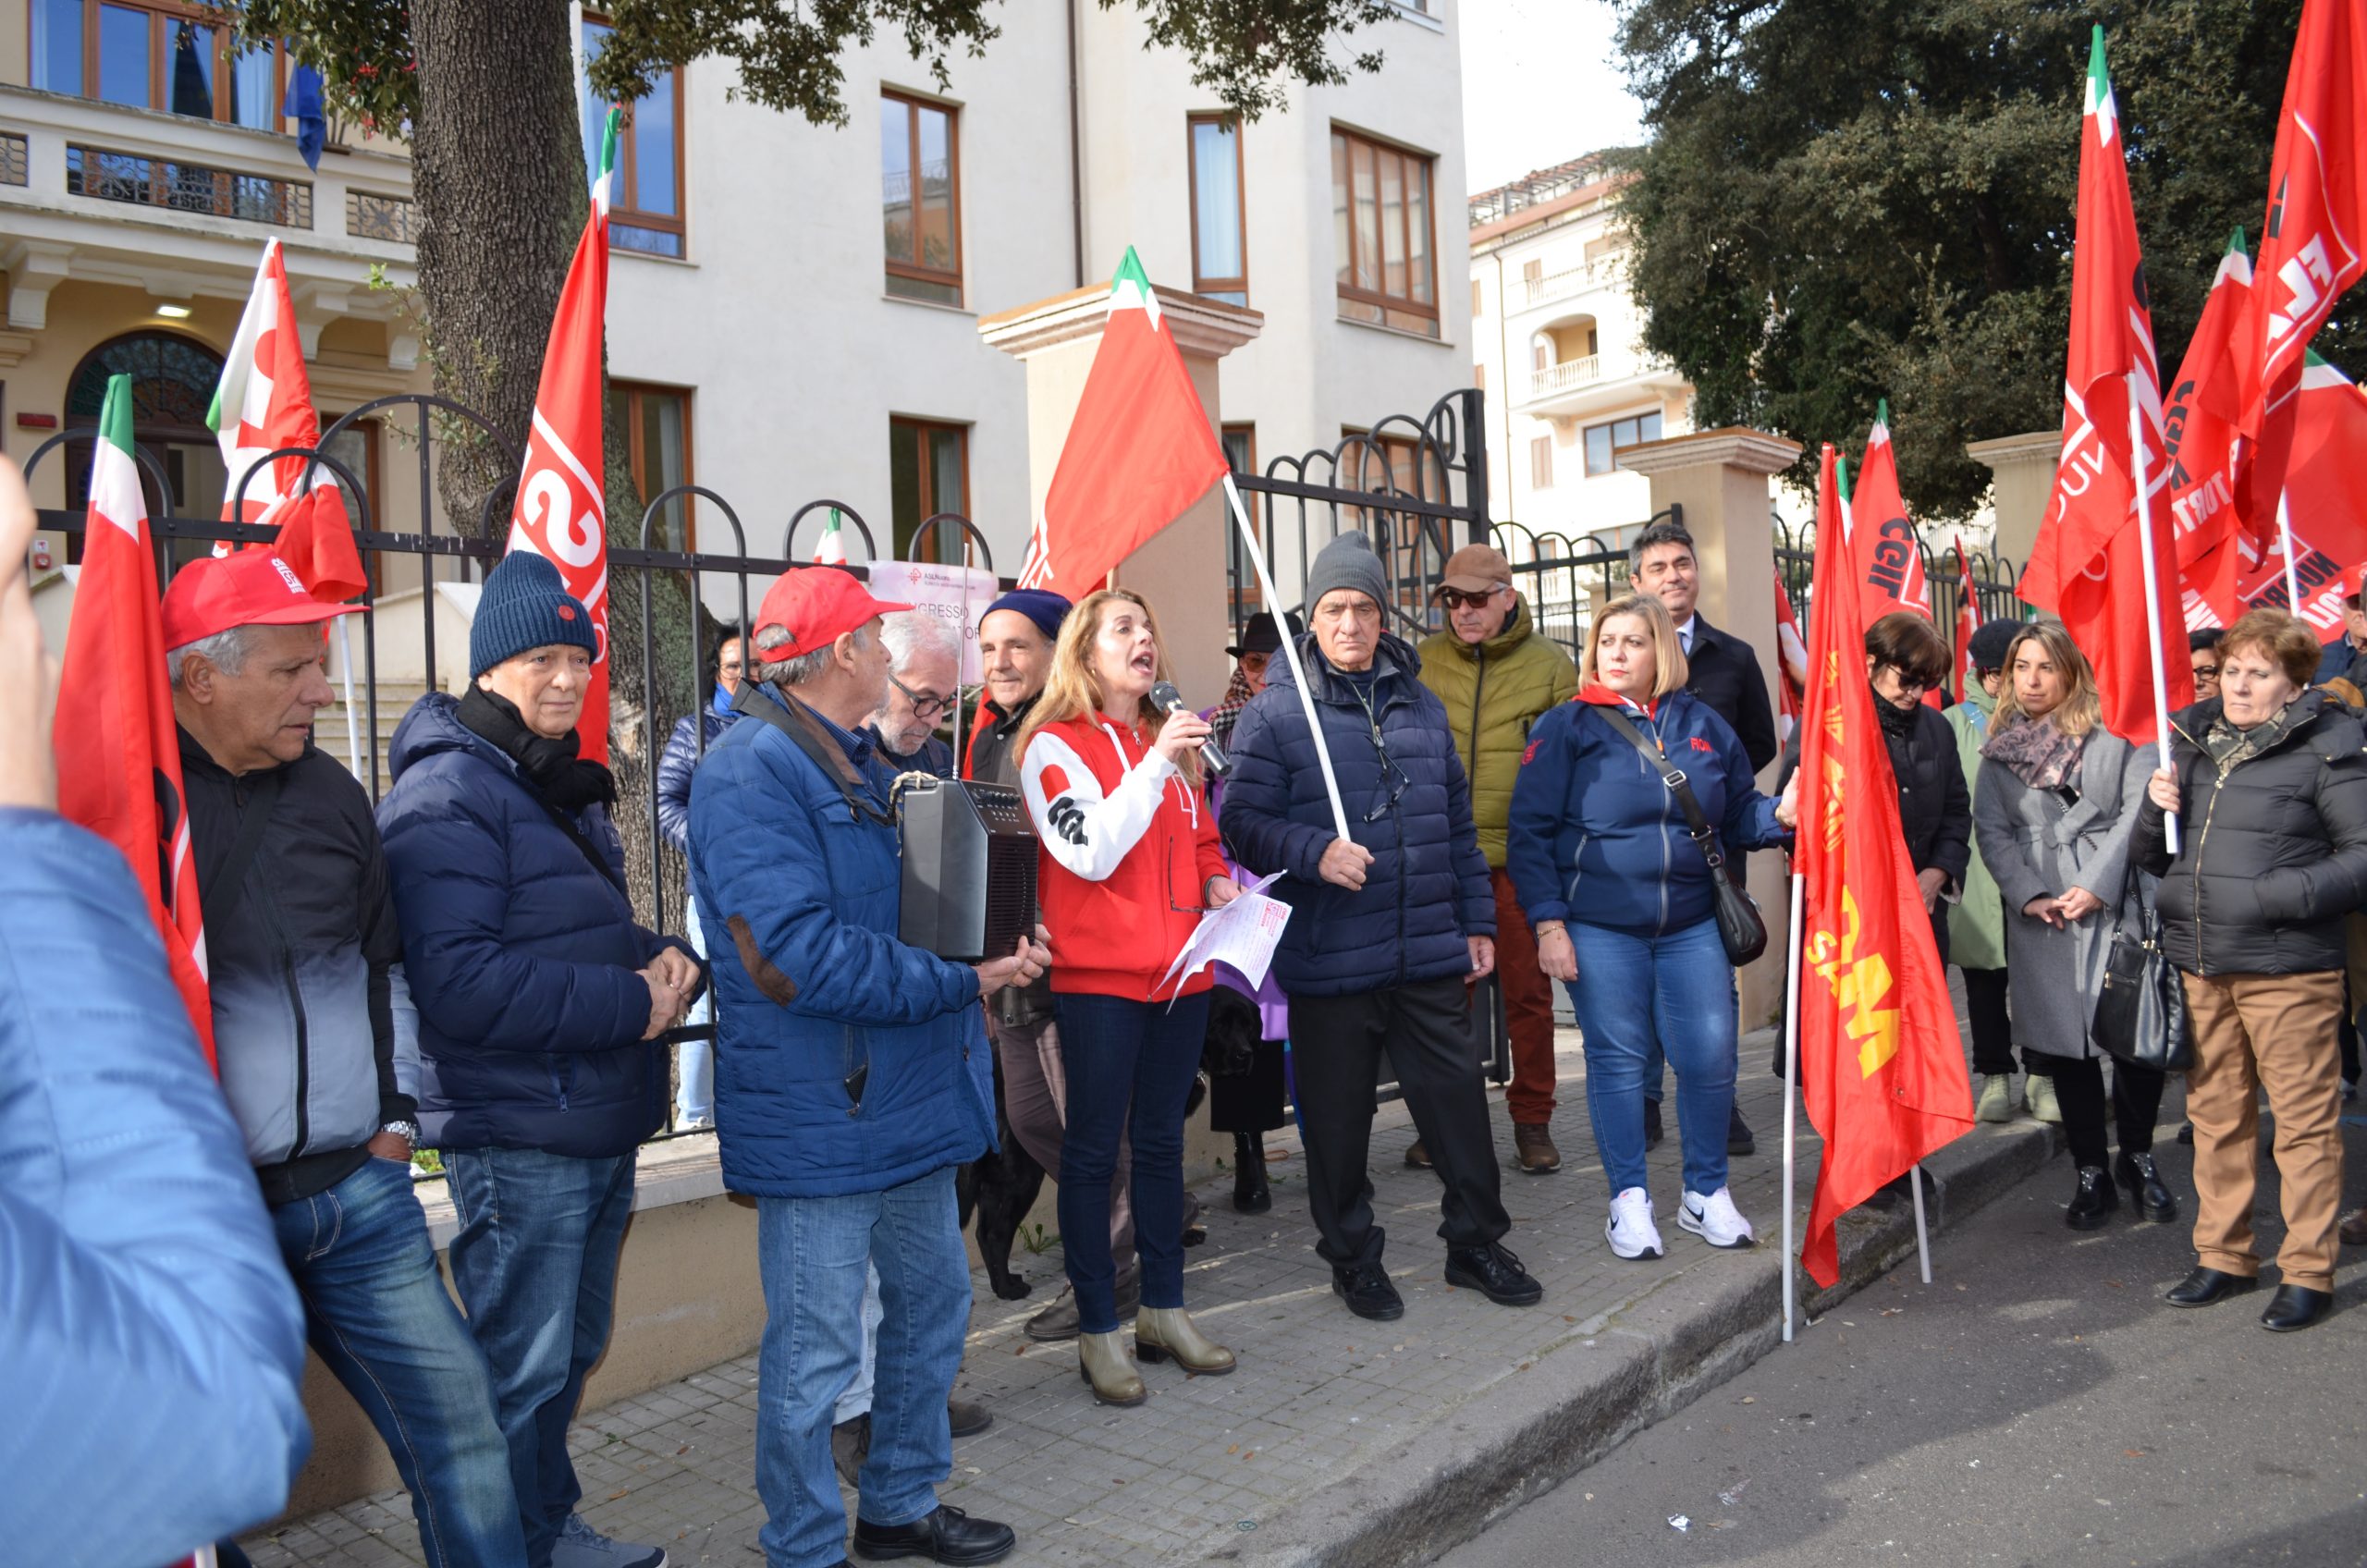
<point>303,106</point>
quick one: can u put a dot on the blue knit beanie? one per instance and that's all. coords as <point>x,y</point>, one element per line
<point>1042,607</point>
<point>524,604</point>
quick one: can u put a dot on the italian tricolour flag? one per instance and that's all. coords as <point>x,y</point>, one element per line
<point>1138,452</point>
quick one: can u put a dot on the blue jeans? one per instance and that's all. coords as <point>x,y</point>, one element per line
<point>1635,995</point>
<point>536,1261</point>
<point>695,1098</point>
<point>813,1253</point>
<point>376,1312</point>
<point>1129,1067</point>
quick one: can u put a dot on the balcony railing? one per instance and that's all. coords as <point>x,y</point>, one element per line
<point>150,181</point>
<point>369,216</point>
<point>16,168</point>
<point>1596,274</point>
<point>1569,373</point>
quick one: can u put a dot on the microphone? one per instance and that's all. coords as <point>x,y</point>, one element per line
<point>1167,699</point>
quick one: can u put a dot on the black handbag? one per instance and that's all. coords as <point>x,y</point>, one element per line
<point>2140,1011</point>
<point>1740,926</point>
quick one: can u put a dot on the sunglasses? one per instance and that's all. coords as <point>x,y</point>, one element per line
<point>1455,599</point>
<point>2206,672</point>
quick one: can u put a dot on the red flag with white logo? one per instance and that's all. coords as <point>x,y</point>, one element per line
<point>1888,561</point>
<point>560,512</point>
<point>1968,622</point>
<point>1791,658</point>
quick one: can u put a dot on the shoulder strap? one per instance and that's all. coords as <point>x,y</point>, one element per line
<point>1695,822</point>
<point>819,748</point>
<point>231,875</point>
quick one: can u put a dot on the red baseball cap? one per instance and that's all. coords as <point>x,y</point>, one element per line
<point>816,605</point>
<point>250,588</point>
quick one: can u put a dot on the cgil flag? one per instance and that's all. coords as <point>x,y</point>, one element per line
<point>2329,507</point>
<point>118,748</point>
<point>2205,449</point>
<point>1139,451</point>
<point>2087,564</point>
<point>264,403</point>
<point>1887,559</point>
<point>1968,622</point>
<point>560,512</point>
<point>1882,1067</point>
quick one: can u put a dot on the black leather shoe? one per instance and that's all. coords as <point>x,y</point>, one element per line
<point>1738,1139</point>
<point>1651,1126</point>
<point>1250,1193</point>
<point>1495,1273</point>
<point>2294,1307</point>
<point>967,1417</point>
<point>2208,1287</point>
<point>2092,1201</point>
<point>2151,1195</point>
<point>947,1536</point>
<point>1365,1288</point>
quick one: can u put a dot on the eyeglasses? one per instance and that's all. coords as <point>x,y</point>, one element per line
<point>926,709</point>
<point>2206,672</point>
<point>1456,598</point>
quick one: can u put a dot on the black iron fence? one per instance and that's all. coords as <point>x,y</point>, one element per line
<point>1994,577</point>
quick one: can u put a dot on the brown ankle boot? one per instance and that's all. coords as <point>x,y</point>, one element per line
<point>1533,1141</point>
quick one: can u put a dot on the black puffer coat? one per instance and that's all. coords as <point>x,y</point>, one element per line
<point>2273,850</point>
<point>1934,806</point>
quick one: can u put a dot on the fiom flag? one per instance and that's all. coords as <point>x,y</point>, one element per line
<point>1138,452</point>
<point>264,403</point>
<point>1888,559</point>
<point>118,748</point>
<point>560,512</point>
<point>1881,1066</point>
<point>2087,565</point>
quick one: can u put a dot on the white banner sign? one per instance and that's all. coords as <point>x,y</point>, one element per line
<point>956,594</point>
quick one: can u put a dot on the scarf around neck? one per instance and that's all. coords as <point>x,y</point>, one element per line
<point>1222,716</point>
<point>1897,723</point>
<point>566,780</point>
<point>2038,754</point>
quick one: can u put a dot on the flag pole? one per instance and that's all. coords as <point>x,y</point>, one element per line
<point>2154,597</point>
<point>1289,650</point>
<point>1791,1071</point>
<point>1922,1234</point>
<point>2292,572</point>
<point>352,725</point>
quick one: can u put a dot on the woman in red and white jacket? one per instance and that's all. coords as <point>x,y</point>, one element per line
<point>1129,861</point>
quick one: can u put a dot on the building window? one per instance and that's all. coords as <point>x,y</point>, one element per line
<point>1241,453</point>
<point>155,56</point>
<point>645,199</point>
<point>1220,246</point>
<point>657,437</point>
<point>1381,217</point>
<point>1541,463</point>
<point>928,472</point>
<point>920,180</point>
<point>172,389</point>
<point>1476,309</point>
<point>1604,440</point>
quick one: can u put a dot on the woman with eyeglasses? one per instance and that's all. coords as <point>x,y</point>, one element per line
<point>1129,860</point>
<point>1623,905</point>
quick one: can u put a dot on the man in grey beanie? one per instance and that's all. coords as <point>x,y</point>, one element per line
<point>1393,924</point>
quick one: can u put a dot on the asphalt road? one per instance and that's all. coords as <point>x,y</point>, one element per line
<point>2035,1404</point>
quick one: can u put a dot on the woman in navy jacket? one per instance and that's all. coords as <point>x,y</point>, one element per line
<point>1623,906</point>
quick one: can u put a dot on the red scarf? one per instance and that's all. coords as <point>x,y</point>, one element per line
<point>1602,696</point>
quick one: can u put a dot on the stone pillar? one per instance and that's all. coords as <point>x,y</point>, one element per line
<point>1720,478</point>
<point>2023,466</point>
<point>1182,569</point>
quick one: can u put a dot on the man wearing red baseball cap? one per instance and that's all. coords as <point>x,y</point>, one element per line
<point>853,1077</point>
<point>316,1038</point>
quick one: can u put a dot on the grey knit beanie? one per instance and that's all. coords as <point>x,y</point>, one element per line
<point>1347,563</point>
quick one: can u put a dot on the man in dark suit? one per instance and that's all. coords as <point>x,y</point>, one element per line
<point>1722,670</point>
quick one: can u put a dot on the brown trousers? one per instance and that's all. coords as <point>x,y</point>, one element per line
<point>2274,1031</point>
<point>1528,1008</point>
<point>1035,1097</point>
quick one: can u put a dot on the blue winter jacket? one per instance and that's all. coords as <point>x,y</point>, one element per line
<point>150,1342</point>
<point>1427,891</point>
<point>680,759</point>
<point>1595,835</point>
<point>846,1061</point>
<point>521,955</point>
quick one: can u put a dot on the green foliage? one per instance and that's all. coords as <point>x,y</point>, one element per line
<point>1849,198</point>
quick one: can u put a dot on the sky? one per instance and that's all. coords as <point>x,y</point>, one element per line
<point>1541,85</point>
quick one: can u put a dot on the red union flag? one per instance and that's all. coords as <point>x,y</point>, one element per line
<point>1968,622</point>
<point>1888,559</point>
<point>1791,656</point>
<point>2087,565</point>
<point>2310,250</point>
<point>1138,451</point>
<point>118,748</point>
<point>560,514</point>
<point>1882,1067</point>
<point>2329,507</point>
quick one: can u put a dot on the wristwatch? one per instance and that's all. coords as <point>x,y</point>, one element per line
<point>407,1130</point>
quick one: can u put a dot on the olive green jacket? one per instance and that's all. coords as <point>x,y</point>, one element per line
<point>1977,924</point>
<point>1493,692</point>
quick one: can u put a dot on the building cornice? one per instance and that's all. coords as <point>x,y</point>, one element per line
<point>1735,446</point>
<point>2038,444</point>
<point>1203,326</point>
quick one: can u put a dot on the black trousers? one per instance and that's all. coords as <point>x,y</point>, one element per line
<point>1336,1043</point>
<point>2135,1100</point>
<point>1252,1101</point>
<point>1992,1030</point>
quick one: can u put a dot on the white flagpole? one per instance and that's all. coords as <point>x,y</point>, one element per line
<point>1922,1235</point>
<point>2292,572</point>
<point>352,724</point>
<point>1791,1072</point>
<point>2153,595</point>
<point>1289,650</point>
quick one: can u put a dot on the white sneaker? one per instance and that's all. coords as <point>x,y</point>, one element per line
<point>695,1124</point>
<point>1630,1230</point>
<point>580,1545</point>
<point>1715,1219</point>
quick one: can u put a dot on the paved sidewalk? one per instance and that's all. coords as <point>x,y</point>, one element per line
<point>1338,1441</point>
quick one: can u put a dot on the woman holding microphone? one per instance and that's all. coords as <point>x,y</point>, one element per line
<point>1129,862</point>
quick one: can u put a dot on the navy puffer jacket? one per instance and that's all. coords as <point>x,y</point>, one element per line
<point>1596,837</point>
<point>680,759</point>
<point>521,955</point>
<point>1427,891</point>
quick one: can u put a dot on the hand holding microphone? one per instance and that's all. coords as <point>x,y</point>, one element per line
<point>1182,728</point>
